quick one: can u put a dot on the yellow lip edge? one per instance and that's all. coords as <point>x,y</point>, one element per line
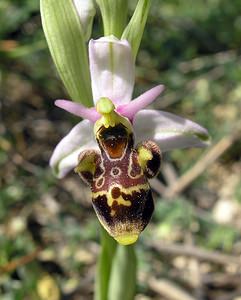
<point>126,239</point>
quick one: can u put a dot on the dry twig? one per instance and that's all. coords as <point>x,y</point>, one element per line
<point>196,252</point>
<point>168,289</point>
<point>211,156</point>
<point>14,264</point>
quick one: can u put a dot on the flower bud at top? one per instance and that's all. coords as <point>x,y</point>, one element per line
<point>86,12</point>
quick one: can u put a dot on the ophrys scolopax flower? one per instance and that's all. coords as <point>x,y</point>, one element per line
<point>115,149</point>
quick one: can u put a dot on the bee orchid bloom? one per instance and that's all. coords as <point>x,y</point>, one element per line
<point>118,145</point>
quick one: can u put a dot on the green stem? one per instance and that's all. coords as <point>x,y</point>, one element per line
<point>116,270</point>
<point>108,249</point>
<point>123,275</point>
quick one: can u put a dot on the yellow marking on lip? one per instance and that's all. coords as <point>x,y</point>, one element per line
<point>127,239</point>
<point>120,200</point>
<point>119,233</point>
<point>128,190</point>
<point>144,155</point>
<point>113,212</point>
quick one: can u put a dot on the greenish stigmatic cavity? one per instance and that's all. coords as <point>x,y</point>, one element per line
<point>114,16</point>
<point>67,46</point>
<point>134,30</point>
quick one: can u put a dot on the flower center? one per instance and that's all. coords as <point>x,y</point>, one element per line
<point>113,132</point>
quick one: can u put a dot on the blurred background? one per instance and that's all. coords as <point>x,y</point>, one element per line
<point>49,235</point>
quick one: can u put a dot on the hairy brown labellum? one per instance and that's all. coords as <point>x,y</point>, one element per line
<point>118,177</point>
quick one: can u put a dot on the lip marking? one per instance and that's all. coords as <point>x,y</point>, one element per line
<point>115,171</point>
<point>100,182</point>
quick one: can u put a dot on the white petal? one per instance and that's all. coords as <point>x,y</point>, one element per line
<point>65,155</point>
<point>168,130</point>
<point>86,13</point>
<point>111,69</point>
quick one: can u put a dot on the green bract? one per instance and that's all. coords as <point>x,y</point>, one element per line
<point>114,15</point>
<point>134,30</point>
<point>65,38</point>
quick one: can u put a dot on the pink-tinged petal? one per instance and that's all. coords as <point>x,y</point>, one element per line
<point>131,109</point>
<point>65,155</point>
<point>111,69</point>
<point>168,130</point>
<point>79,110</point>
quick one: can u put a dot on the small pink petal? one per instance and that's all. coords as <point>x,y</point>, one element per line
<point>131,109</point>
<point>79,110</point>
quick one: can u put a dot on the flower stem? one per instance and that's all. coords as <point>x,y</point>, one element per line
<point>116,270</point>
<point>123,275</point>
<point>103,273</point>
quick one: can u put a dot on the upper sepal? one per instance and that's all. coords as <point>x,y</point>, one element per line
<point>111,69</point>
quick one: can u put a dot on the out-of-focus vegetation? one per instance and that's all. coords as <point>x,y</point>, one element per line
<point>48,231</point>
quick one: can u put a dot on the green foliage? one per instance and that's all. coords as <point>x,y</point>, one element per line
<point>114,15</point>
<point>238,193</point>
<point>135,28</point>
<point>193,47</point>
<point>64,36</point>
<point>216,238</point>
<point>14,13</point>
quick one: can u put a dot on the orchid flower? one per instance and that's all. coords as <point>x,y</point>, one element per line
<point>116,148</point>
